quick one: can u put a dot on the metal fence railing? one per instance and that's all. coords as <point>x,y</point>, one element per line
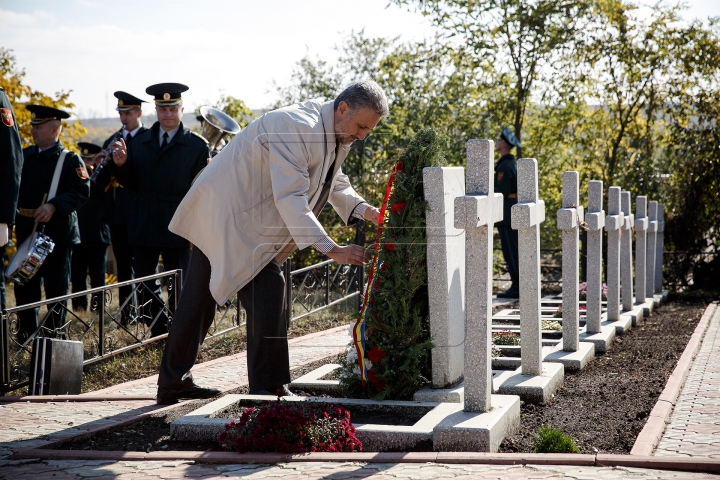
<point>106,331</point>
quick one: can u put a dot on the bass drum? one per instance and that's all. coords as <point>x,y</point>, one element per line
<point>30,256</point>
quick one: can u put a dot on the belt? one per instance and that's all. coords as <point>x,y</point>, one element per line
<point>512,195</point>
<point>27,212</point>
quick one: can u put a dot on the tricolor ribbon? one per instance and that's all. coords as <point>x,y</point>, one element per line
<point>359,328</point>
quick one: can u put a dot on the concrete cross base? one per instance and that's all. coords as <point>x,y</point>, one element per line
<point>462,431</point>
<point>453,394</point>
<point>601,339</point>
<point>313,380</point>
<point>534,388</point>
<point>456,393</point>
<point>660,298</point>
<point>622,325</point>
<point>647,307</point>
<point>636,315</point>
<point>572,361</point>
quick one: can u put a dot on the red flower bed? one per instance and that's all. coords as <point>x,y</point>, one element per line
<point>291,428</point>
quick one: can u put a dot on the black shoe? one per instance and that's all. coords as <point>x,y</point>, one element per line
<point>509,293</point>
<point>169,396</point>
<point>281,391</point>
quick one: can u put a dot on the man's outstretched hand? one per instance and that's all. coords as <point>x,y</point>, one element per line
<point>350,254</point>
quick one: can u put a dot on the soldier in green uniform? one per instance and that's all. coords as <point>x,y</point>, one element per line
<point>90,255</point>
<point>506,183</point>
<point>11,162</point>
<point>159,166</point>
<point>57,217</point>
<point>118,201</point>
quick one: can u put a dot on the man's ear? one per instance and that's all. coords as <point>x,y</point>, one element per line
<point>342,108</point>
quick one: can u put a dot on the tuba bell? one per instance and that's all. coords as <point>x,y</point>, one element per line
<point>215,125</point>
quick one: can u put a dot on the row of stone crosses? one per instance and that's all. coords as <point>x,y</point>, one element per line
<point>476,212</point>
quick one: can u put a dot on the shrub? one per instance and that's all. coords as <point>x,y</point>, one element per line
<point>550,325</point>
<point>291,428</point>
<point>505,337</point>
<point>553,440</point>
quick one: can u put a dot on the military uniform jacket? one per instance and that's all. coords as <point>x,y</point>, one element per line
<point>92,227</point>
<point>506,183</point>
<point>160,180</point>
<point>11,161</point>
<point>118,201</point>
<point>72,192</point>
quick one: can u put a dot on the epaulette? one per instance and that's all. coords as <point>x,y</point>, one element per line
<point>200,136</point>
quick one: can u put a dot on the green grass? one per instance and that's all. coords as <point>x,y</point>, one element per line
<point>553,440</point>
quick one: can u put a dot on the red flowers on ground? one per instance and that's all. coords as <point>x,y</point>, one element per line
<point>291,428</point>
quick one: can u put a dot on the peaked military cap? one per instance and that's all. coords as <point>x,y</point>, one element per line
<point>88,149</point>
<point>509,137</point>
<point>42,114</point>
<point>127,102</point>
<point>166,94</point>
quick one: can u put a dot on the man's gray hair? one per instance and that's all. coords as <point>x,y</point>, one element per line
<point>365,94</point>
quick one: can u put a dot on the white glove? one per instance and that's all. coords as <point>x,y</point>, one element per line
<point>3,234</point>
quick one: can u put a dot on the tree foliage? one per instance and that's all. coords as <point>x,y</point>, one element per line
<point>20,94</point>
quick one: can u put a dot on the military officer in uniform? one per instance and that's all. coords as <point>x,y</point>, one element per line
<point>159,166</point>
<point>57,216</point>
<point>11,162</point>
<point>90,255</point>
<point>118,201</point>
<point>506,183</point>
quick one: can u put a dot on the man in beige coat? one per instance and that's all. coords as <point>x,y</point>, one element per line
<point>248,210</point>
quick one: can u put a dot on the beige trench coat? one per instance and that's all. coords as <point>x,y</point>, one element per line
<point>258,193</point>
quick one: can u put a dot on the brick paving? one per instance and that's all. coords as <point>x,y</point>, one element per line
<point>694,431</point>
<point>694,428</point>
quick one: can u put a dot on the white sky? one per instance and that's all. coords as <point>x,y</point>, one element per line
<point>95,47</point>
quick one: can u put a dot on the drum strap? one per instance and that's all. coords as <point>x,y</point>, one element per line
<point>56,175</point>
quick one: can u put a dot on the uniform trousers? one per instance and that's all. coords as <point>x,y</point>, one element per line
<point>123,264</point>
<point>267,346</point>
<point>2,278</point>
<point>509,243</point>
<point>145,261</point>
<point>88,258</point>
<point>54,276</point>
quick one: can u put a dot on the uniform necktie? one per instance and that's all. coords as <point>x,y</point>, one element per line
<point>165,141</point>
<point>128,138</point>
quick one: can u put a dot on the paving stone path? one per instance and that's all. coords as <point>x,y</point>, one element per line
<point>694,429</point>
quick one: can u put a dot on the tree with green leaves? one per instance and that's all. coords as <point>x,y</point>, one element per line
<point>20,94</point>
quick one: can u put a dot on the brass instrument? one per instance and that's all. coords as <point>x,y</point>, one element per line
<point>215,125</point>
<point>109,155</point>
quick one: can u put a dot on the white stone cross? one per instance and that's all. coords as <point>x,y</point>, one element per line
<point>595,218</point>
<point>476,212</point>
<point>641,226</point>
<point>613,223</point>
<point>651,246</point>
<point>626,263</point>
<point>567,221</point>
<point>659,248</point>
<point>526,217</point>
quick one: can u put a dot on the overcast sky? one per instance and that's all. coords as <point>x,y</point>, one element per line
<point>239,47</point>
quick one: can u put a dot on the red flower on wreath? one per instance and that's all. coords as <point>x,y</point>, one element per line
<point>376,381</point>
<point>383,266</point>
<point>375,354</point>
<point>397,207</point>
<point>390,246</point>
<point>399,167</point>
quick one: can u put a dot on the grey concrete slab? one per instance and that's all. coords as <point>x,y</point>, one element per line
<point>602,339</point>
<point>534,388</point>
<point>572,361</point>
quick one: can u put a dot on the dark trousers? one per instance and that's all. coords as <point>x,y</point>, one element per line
<point>509,242</point>
<point>263,299</point>
<point>123,263</point>
<point>2,278</point>
<point>88,258</point>
<point>145,260</point>
<point>54,276</point>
